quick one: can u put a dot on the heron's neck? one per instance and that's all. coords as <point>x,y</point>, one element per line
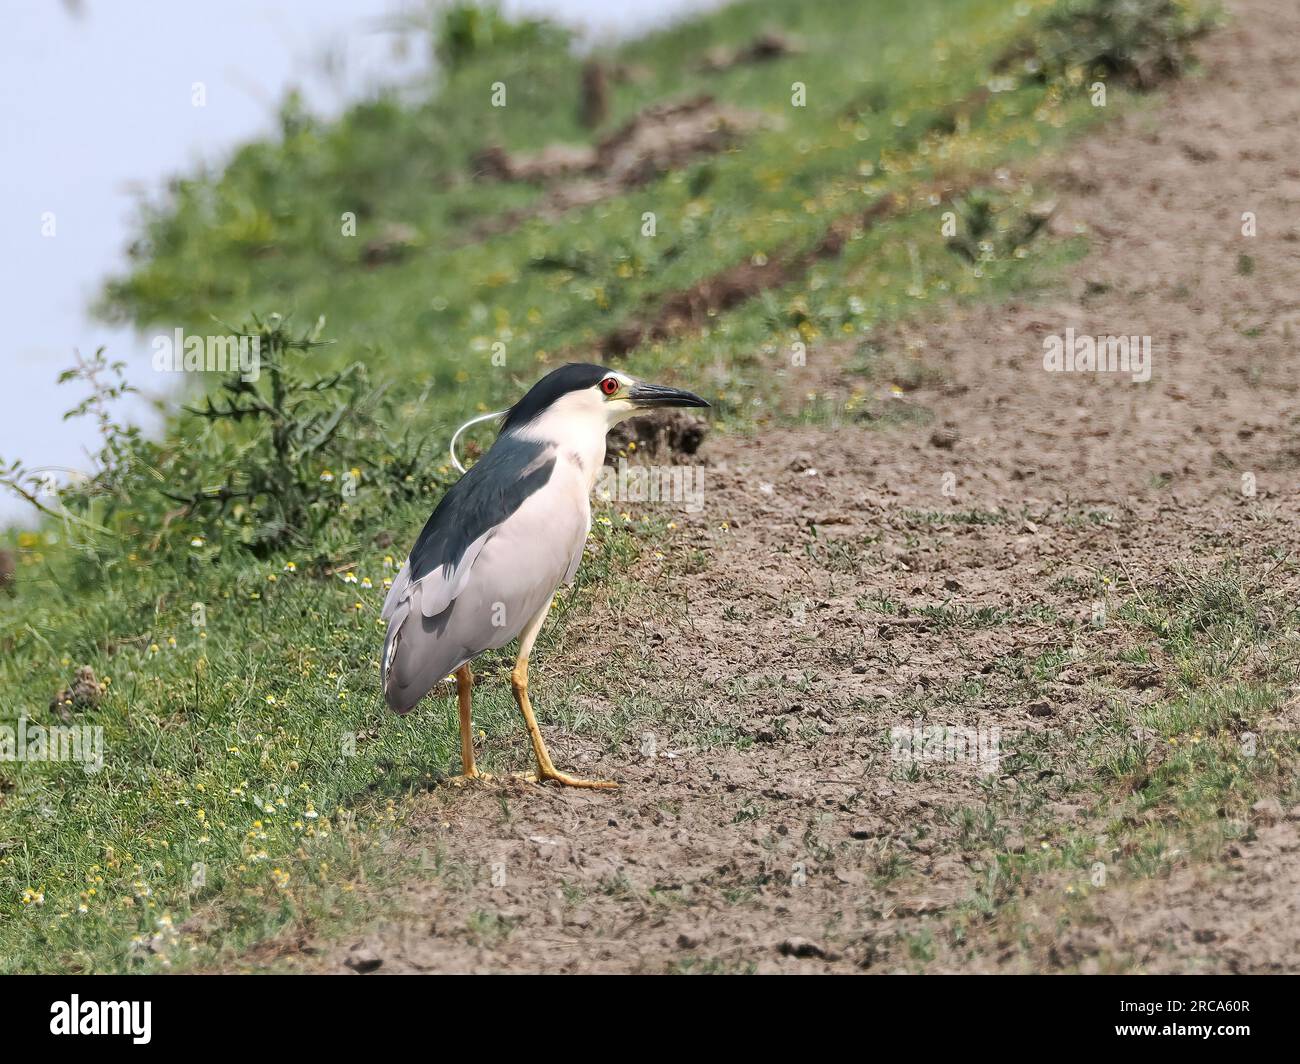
<point>577,435</point>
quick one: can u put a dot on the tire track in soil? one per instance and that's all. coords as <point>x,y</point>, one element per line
<point>696,862</point>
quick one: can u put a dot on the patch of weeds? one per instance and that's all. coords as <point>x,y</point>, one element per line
<point>488,929</point>
<point>991,225</point>
<point>834,554</point>
<point>944,617</point>
<point>1087,519</point>
<point>920,945</point>
<point>1139,43</point>
<point>942,518</point>
<point>889,865</point>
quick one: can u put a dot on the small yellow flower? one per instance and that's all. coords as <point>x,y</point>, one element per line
<point>290,567</point>
<point>197,541</point>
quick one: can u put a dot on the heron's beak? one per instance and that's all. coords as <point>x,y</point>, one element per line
<point>652,395</point>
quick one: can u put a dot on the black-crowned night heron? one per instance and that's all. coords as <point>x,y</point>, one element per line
<point>489,560</point>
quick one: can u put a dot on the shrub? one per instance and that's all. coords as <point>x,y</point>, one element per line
<point>469,31</point>
<point>262,463</point>
<point>1136,42</point>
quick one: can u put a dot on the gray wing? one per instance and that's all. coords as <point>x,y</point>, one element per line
<point>492,490</point>
<point>504,577</point>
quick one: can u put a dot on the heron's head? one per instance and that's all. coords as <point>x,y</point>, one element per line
<point>584,394</point>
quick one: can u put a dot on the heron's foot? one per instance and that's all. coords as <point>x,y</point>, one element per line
<point>533,777</point>
<point>565,779</point>
<point>470,777</point>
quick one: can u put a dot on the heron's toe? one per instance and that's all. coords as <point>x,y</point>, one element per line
<point>574,781</point>
<point>471,777</point>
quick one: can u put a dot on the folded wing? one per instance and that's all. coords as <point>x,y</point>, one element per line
<point>429,634</point>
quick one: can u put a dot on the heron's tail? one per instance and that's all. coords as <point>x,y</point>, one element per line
<point>397,608</point>
<point>400,700</point>
<point>416,655</point>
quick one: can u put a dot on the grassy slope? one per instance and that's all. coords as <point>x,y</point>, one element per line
<point>226,748</point>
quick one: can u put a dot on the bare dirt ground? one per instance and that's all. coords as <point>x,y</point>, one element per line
<point>809,850</point>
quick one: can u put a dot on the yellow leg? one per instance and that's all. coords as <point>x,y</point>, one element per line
<point>545,769</point>
<point>519,683</point>
<point>464,683</point>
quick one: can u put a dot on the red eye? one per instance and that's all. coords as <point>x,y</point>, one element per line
<point>609,385</point>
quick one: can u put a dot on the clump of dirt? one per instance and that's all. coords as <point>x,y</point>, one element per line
<point>85,692</point>
<point>550,164</point>
<point>662,137</point>
<point>672,435</point>
<point>392,245</point>
<point>595,94</point>
<point>763,48</point>
<point>690,308</point>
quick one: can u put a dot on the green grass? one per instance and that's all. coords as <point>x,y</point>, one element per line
<point>873,124</point>
<point>253,747</point>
